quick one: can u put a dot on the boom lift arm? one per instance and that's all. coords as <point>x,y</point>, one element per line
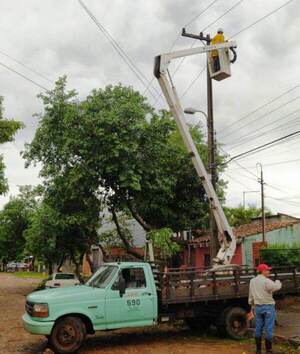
<point>226,237</point>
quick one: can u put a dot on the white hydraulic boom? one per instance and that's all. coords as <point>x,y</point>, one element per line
<point>226,237</point>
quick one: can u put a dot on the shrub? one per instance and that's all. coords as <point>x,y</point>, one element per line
<point>281,255</point>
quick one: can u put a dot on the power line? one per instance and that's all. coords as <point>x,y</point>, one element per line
<point>283,162</point>
<point>201,13</point>
<point>247,137</point>
<point>292,123</point>
<point>23,76</point>
<point>237,181</point>
<point>241,166</point>
<point>138,73</point>
<point>26,67</point>
<point>193,82</point>
<point>294,204</point>
<point>259,108</point>
<point>261,19</point>
<point>263,115</point>
<point>212,23</point>
<point>266,145</point>
<point>176,39</point>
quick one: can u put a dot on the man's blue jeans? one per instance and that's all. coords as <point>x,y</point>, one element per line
<point>264,320</point>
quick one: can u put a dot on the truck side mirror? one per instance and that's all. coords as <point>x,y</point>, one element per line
<point>121,285</point>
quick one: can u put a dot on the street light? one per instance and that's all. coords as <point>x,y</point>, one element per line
<point>191,110</point>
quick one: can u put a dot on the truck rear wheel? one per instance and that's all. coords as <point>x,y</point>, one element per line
<point>67,335</point>
<point>233,323</point>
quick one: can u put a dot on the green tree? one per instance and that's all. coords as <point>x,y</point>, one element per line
<point>113,148</point>
<point>8,129</point>
<point>43,234</point>
<point>240,215</point>
<point>14,220</point>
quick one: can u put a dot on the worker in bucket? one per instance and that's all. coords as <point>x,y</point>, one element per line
<point>263,305</point>
<point>217,39</point>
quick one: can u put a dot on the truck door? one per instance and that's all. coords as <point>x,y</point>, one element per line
<point>136,307</point>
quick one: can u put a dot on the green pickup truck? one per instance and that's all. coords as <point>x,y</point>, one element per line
<point>135,294</point>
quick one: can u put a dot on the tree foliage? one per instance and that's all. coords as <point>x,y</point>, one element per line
<point>163,243</point>
<point>14,221</point>
<point>114,149</point>
<point>240,215</point>
<point>281,255</point>
<point>8,129</point>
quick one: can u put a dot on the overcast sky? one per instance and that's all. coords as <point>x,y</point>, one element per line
<point>56,37</point>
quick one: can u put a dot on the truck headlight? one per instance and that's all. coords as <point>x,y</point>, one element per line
<point>40,310</point>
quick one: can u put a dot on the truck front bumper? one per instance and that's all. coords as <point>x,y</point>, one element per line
<point>36,327</point>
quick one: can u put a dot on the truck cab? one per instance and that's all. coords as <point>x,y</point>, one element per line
<point>118,295</point>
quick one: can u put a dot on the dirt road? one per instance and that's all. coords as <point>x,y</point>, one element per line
<point>166,340</point>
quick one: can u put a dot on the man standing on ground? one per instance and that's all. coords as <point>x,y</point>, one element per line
<point>261,299</point>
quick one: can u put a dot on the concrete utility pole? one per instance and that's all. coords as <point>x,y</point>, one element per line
<point>214,243</point>
<point>263,218</point>
<point>212,170</point>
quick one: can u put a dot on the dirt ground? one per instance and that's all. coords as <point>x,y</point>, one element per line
<point>165,340</point>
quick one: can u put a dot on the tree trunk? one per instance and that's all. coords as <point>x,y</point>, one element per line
<point>122,236</point>
<point>50,265</point>
<point>138,217</point>
<point>89,260</point>
<point>61,262</point>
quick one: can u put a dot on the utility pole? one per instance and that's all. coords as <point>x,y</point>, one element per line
<point>263,218</point>
<point>214,243</point>
<point>211,145</point>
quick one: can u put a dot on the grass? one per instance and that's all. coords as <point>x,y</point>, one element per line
<point>35,275</point>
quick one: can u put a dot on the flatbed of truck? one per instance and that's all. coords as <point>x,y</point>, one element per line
<point>200,285</point>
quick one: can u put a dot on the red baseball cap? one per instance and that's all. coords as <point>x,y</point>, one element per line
<point>262,267</point>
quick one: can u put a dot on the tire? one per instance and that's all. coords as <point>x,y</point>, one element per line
<point>201,324</point>
<point>68,335</point>
<point>233,323</point>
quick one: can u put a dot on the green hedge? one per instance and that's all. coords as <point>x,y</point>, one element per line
<point>281,255</point>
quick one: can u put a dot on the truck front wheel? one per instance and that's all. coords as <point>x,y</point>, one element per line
<point>67,335</point>
<point>233,323</point>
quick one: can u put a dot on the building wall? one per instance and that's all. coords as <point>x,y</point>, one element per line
<point>197,256</point>
<point>287,235</point>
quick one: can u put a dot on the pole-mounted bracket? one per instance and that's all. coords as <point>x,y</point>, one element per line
<point>199,37</point>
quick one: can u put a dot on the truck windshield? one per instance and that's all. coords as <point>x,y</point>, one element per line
<point>102,277</point>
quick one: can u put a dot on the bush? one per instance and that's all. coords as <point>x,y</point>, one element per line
<point>281,255</point>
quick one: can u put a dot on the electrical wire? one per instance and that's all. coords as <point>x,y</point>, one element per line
<point>283,162</point>
<point>237,181</point>
<point>26,67</point>
<point>206,27</point>
<point>263,115</point>
<point>241,166</point>
<point>258,109</point>
<point>292,123</point>
<point>261,19</point>
<point>138,73</point>
<point>176,39</point>
<point>23,76</point>
<point>201,13</point>
<point>247,137</point>
<point>193,82</point>
<point>264,146</point>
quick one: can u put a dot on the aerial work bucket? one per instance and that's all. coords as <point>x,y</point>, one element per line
<point>219,66</point>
